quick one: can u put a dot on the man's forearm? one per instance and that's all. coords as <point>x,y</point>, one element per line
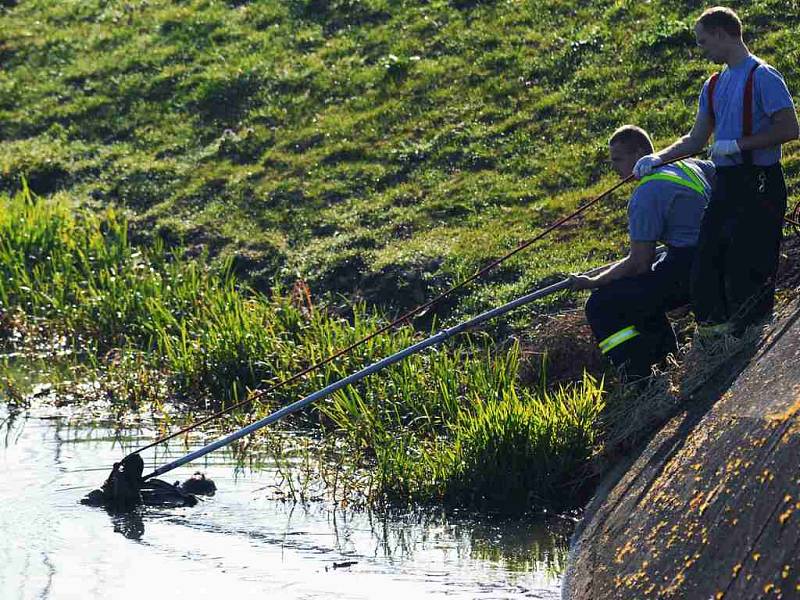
<point>623,268</point>
<point>686,145</point>
<point>692,142</point>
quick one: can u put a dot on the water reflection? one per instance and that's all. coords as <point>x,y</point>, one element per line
<point>240,541</point>
<point>129,524</point>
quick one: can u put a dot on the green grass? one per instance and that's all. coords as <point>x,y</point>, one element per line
<point>192,161</point>
<point>378,149</point>
<point>159,327</point>
<point>76,272</point>
<point>507,449</point>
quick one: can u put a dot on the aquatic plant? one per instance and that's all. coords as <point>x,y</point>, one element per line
<point>511,452</point>
<point>451,423</point>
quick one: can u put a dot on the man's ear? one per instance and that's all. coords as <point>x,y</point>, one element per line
<point>721,36</point>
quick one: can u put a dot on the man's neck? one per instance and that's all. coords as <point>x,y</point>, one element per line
<point>736,55</point>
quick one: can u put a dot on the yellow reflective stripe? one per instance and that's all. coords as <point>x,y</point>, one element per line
<point>615,339</point>
<point>673,179</point>
<point>695,184</point>
<point>692,175</point>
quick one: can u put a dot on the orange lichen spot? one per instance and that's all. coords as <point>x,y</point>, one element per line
<point>787,414</point>
<point>736,569</point>
<point>734,521</point>
<point>756,556</point>
<point>768,588</point>
<point>697,466</point>
<point>719,595</point>
<point>623,552</point>
<point>658,527</point>
<point>785,571</point>
<point>709,497</point>
<point>733,465</point>
<point>765,476</point>
<point>677,581</point>
<point>784,516</point>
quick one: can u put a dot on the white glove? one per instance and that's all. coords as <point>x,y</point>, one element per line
<point>724,148</point>
<point>645,165</point>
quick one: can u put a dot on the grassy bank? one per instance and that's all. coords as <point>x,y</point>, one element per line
<point>197,161</point>
<point>375,148</point>
<point>451,425</point>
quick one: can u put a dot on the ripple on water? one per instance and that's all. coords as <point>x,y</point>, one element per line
<point>238,542</point>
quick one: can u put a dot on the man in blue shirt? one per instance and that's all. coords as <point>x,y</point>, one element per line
<point>627,310</point>
<point>751,113</point>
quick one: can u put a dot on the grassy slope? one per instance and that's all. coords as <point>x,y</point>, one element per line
<point>455,424</point>
<point>374,146</point>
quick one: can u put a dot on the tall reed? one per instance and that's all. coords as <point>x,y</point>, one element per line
<point>450,424</point>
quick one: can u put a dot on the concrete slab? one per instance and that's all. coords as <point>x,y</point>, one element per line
<point>711,507</point>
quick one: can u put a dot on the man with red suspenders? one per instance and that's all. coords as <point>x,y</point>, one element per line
<point>751,113</point>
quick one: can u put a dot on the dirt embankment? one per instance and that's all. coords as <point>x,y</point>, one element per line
<point>711,507</point>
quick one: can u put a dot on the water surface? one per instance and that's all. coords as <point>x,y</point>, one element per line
<point>242,542</point>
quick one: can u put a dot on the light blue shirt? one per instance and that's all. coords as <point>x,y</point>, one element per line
<point>664,211</point>
<point>770,95</point>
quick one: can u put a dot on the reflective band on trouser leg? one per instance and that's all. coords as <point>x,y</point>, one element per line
<point>615,339</point>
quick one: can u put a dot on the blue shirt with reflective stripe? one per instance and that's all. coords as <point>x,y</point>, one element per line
<point>668,212</point>
<point>770,95</point>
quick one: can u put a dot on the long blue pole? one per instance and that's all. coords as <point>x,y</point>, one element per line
<point>359,375</point>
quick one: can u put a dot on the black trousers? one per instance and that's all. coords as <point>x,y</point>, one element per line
<point>628,316</point>
<point>733,278</point>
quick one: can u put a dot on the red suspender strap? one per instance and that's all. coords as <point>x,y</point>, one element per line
<point>712,83</point>
<point>747,113</point>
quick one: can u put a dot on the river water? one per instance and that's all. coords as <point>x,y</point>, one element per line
<point>242,543</point>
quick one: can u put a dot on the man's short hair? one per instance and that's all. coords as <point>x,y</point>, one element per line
<point>631,137</point>
<point>721,17</point>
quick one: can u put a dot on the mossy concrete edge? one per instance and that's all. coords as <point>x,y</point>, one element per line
<point>710,507</point>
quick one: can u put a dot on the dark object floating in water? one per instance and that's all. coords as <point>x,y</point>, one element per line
<point>343,565</point>
<point>198,484</point>
<point>125,489</point>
